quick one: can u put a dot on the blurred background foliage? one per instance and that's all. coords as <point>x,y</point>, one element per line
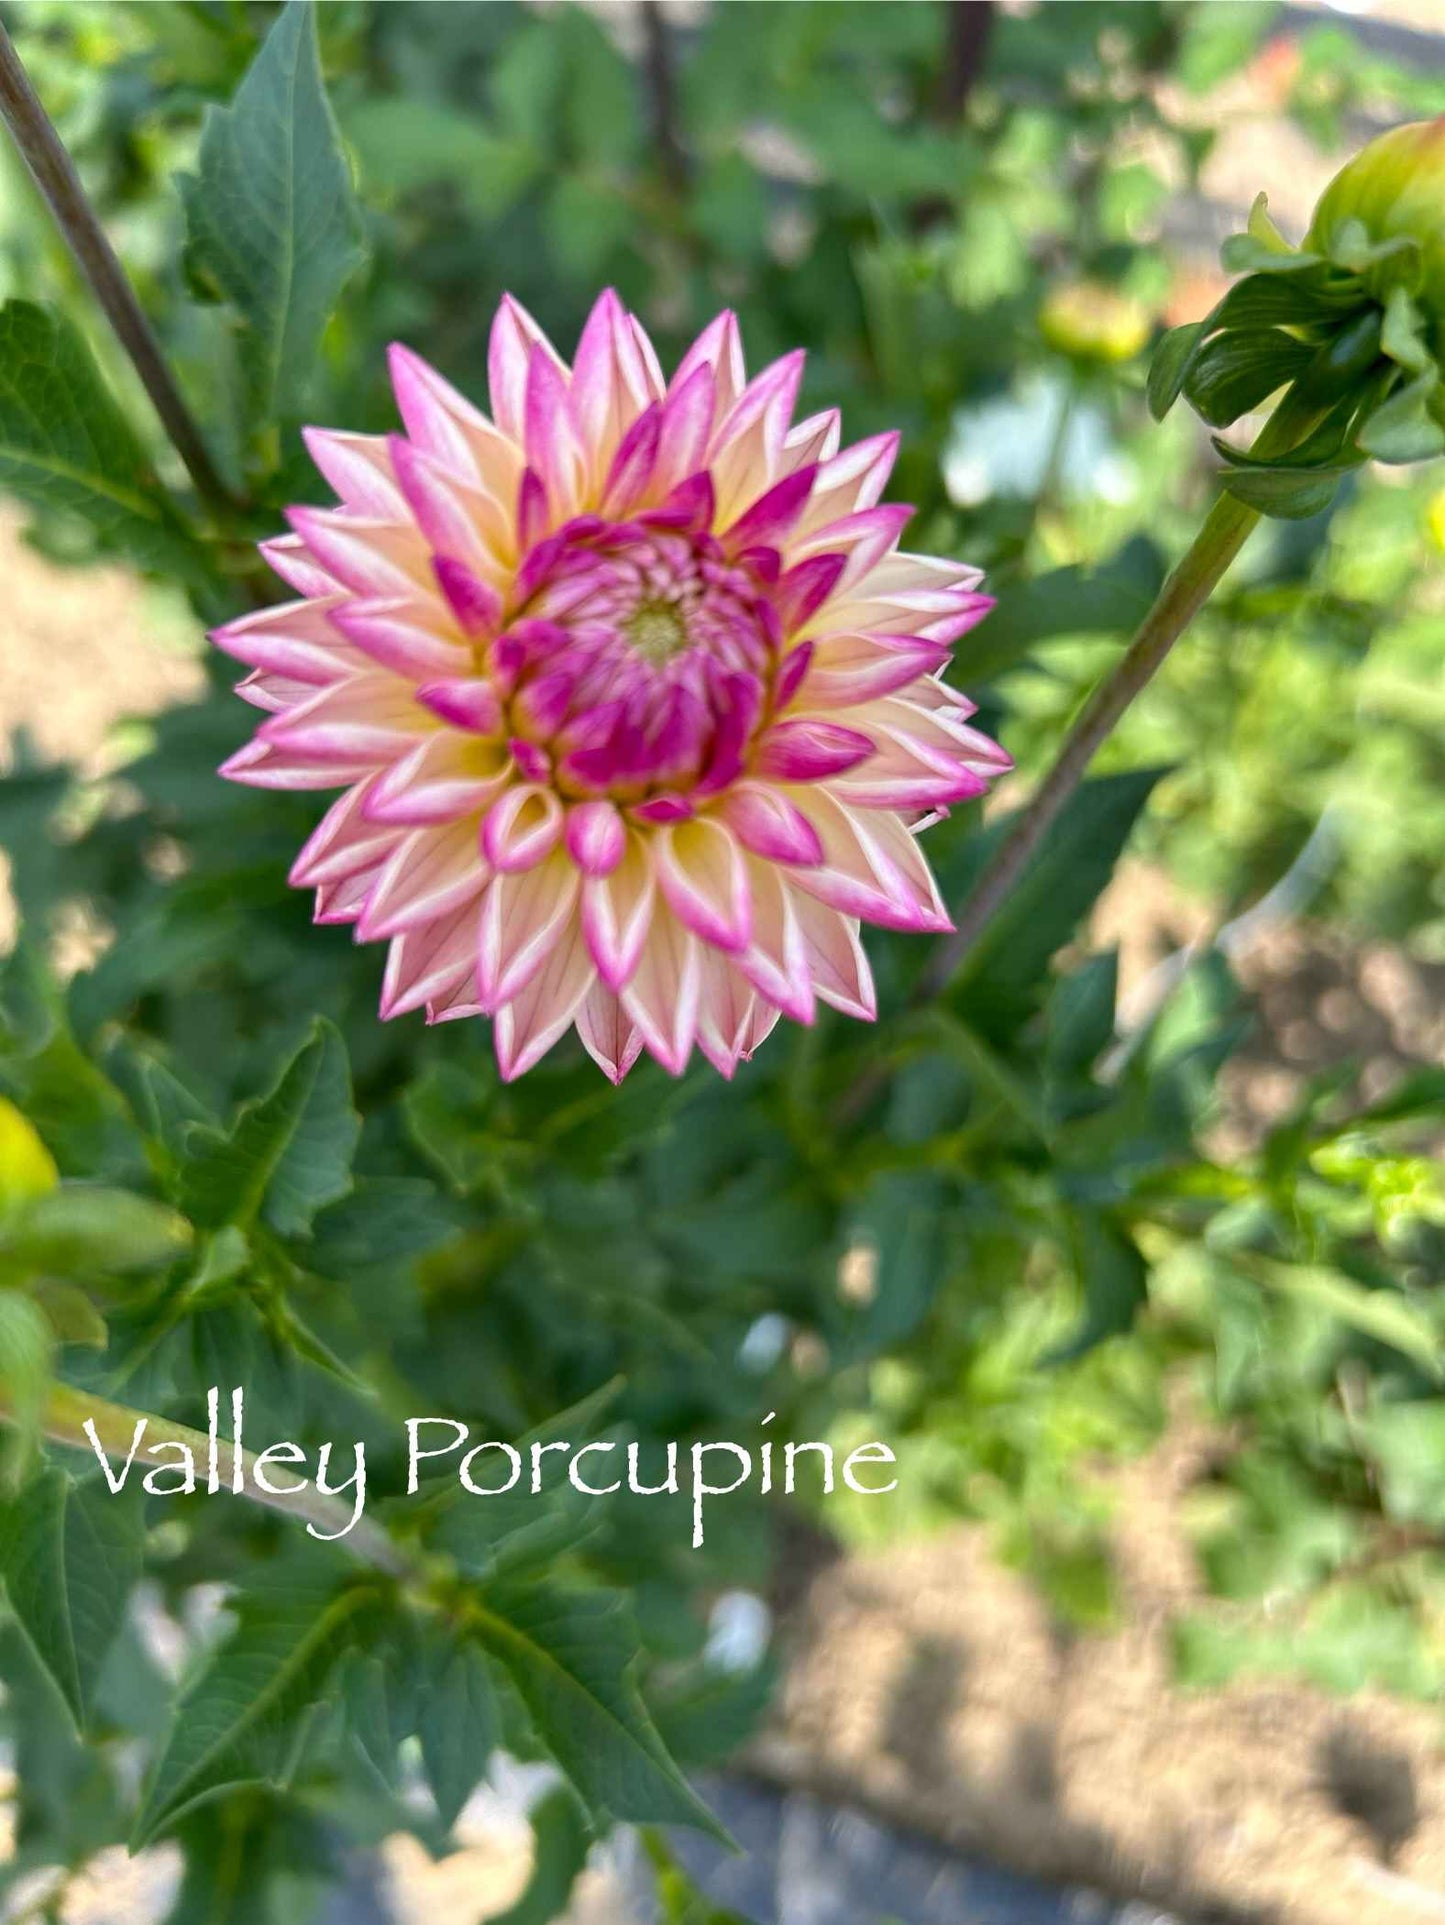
<point>1008,1230</point>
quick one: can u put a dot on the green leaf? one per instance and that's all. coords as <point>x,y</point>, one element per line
<point>999,979</point>
<point>71,1555</point>
<point>80,1229</point>
<point>1170,365</point>
<point>460,1725</point>
<point>1407,1443</point>
<point>65,445</point>
<point>1111,599</point>
<point>1234,371</point>
<point>1081,1016</point>
<point>26,1352</point>
<point>1289,494</point>
<point>514,1533</point>
<point>570,1654</point>
<point>1403,428</point>
<point>1114,1279</point>
<point>899,1220</point>
<point>71,1315</point>
<point>272,220</point>
<point>379,1693</point>
<point>287,1154</point>
<point>244,1717</point>
<point>1383,1315</point>
<point>404,144</point>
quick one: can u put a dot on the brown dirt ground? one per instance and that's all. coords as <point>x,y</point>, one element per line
<point>934,1687</point>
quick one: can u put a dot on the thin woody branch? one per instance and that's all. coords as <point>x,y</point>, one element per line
<point>54,174</point>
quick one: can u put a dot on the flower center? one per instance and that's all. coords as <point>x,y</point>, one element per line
<point>641,658</point>
<point>657,631</point>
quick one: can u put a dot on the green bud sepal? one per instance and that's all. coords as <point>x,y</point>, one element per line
<point>1345,324</point>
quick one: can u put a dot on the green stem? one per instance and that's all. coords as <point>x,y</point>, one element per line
<point>68,1412</point>
<point>1220,539</point>
<point>53,172</point>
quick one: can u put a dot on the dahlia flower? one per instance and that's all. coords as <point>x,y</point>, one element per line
<point>633,698</point>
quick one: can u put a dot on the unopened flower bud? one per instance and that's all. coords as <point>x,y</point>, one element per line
<point>1091,322</point>
<point>1348,328</point>
<point>1393,190</point>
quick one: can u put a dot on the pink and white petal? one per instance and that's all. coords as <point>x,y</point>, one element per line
<point>811,441</point>
<point>803,590</point>
<point>768,520</point>
<point>849,670</point>
<point>863,538</point>
<point>704,880</point>
<point>808,749</point>
<point>295,639</point>
<point>896,853</point>
<point>907,773</point>
<point>766,403</point>
<point>262,765</point>
<point>342,842</point>
<point>509,352</point>
<point>425,964</point>
<point>610,1037</point>
<point>405,634</point>
<point>553,444</point>
<point>938,735</point>
<point>522,918</point>
<point>903,574</point>
<point>372,718</point>
<point>684,428</point>
<point>761,1024</point>
<point>836,960</point>
<point>617,912</point>
<point>647,354</point>
<point>522,827</point>
<point>358,467</point>
<point>447,776</point>
<point>430,873</point>
<point>858,874</point>
<point>288,557</point>
<point>725,1011</point>
<point>454,1005</point>
<point>596,837</point>
<point>445,425</point>
<point>720,348</point>
<point>776,960</point>
<point>465,702</point>
<point>767,823</point>
<point>848,482</point>
<point>343,900</point>
<point>662,996</point>
<point>527,1027</point>
<point>746,457</point>
<point>609,383</point>
<point>374,558</point>
<point>461,523</point>
<point>273,693</point>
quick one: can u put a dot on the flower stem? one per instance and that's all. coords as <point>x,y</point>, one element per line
<point>54,174</point>
<point>68,1411</point>
<point>1220,539</point>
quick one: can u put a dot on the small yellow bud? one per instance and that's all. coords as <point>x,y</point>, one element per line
<point>1089,321</point>
<point>27,1168</point>
<point>1435,521</point>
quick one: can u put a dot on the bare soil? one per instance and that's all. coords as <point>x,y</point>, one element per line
<point>935,1687</point>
